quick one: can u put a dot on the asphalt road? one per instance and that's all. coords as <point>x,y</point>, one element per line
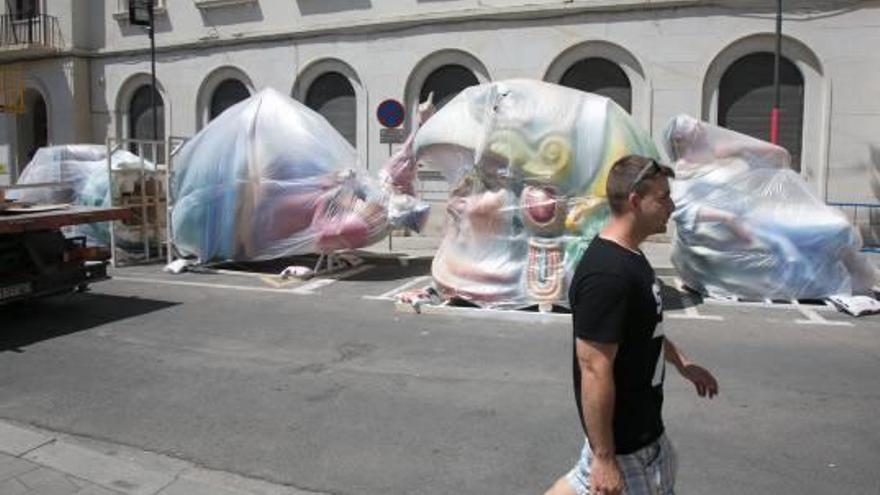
<point>317,386</point>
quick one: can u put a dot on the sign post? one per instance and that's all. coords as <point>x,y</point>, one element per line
<point>391,114</point>
<point>142,13</point>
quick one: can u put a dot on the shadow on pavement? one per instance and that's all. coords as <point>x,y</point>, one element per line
<point>31,322</point>
<point>392,270</point>
<point>673,299</point>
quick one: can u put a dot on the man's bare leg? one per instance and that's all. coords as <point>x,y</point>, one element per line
<point>561,487</point>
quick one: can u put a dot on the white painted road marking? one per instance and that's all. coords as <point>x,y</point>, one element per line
<point>203,284</point>
<point>307,289</point>
<point>810,313</point>
<point>766,303</point>
<point>691,313</point>
<point>814,318</point>
<point>390,295</point>
<point>483,313</point>
<point>318,283</point>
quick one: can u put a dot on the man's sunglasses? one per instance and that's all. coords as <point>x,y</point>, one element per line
<point>648,171</point>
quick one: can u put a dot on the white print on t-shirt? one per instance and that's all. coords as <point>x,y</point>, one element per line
<point>657,298</point>
<point>659,332</point>
<point>660,366</point>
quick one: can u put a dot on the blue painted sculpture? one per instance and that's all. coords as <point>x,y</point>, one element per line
<point>271,178</point>
<point>749,226</point>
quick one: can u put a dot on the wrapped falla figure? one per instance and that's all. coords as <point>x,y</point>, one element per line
<point>271,178</point>
<point>749,226</point>
<point>80,170</point>
<point>527,163</point>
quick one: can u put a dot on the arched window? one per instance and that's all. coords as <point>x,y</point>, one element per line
<point>140,115</point>
<point>226,94</point>
<point>745,98</point>
<point>41,124</point>
<point>602,77</point>
<point>332,96</point>
<point>33,127</point>
<point>140,123</point>
<point>446,82</point>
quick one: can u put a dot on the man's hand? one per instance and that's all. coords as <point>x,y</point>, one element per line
<point>605,477</point>
<point>701,378</point>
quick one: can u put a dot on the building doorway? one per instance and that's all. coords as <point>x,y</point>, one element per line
<point>33,128</point>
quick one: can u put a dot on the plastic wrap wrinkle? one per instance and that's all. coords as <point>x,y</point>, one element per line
<point>526,162</point>
<point>749,226</point>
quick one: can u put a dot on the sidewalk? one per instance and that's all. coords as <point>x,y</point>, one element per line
<point>417,246</point>
<point>38,462</point>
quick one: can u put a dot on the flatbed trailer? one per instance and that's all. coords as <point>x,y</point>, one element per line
<point>37,260</point>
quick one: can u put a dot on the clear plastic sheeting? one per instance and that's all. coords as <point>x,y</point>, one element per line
<point>527,163</point>
<point>271,178</point>
<point>82,171</point>
<point>748,226</point>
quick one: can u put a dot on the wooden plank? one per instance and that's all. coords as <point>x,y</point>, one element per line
<point>49,220</point>
<point>37,185</point>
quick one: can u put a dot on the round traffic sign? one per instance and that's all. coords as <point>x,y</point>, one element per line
<point>390,113</point>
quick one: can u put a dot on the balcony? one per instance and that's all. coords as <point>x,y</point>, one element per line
<point>26,37</point>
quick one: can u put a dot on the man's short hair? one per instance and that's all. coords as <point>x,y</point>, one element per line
<point>629,175</point>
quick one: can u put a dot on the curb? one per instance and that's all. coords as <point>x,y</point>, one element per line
<point>125,470</point>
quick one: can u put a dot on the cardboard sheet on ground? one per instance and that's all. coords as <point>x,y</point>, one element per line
<point>747,225</point>
<point>271,178</point>
<point>83,170</point>
<point>527,163</point>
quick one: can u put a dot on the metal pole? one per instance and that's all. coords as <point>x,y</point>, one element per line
<point>774,114</point>
<point>152,29</point>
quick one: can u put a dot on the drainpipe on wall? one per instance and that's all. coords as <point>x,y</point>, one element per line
<point>774,113</point>
<point>151,10</point>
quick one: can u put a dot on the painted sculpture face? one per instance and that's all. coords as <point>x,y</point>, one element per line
<point>270,178</point>
<point>527,163</point>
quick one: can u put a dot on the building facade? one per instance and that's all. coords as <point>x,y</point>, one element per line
<point>85,75</point>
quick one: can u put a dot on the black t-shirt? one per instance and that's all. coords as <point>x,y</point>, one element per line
<point>615,298</point>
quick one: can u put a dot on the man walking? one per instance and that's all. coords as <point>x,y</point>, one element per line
<point>619,346</point>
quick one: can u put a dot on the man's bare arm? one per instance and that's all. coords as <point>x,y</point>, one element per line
<point>596,361</point>
<point>674,355</point>
<point>597,394</point>
<point>702,379</point>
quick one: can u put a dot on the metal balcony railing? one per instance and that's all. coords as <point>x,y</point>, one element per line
<point>37,31</point>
